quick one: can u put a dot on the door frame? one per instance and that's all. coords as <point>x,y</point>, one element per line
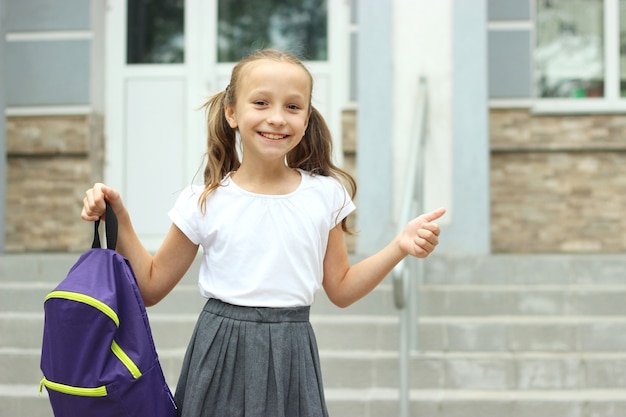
<point>203,77</point>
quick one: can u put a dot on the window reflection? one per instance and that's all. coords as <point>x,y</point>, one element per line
<point>155,32</point>
<point>298,26</point>
<point>569,55</point>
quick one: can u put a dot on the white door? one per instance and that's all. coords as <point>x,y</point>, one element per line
<point>155,132</point>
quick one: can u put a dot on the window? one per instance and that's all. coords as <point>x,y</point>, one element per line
<point>298,26</point>
<point>578,52</point>
<point>155,32</point>
<point>569,52</point>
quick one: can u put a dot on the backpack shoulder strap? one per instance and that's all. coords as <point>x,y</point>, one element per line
<point>110,222</point>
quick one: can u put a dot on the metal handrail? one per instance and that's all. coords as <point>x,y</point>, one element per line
<point>412,201</point>
<point>406,274</point>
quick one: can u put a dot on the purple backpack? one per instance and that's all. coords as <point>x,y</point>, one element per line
<point>98,356</point>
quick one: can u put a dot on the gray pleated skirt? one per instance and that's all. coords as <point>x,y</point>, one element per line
<point>251,362</point>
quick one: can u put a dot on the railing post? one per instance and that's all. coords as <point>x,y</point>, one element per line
<point>405,277</point>
<point>404,363</point>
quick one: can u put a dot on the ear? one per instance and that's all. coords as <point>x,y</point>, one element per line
<point>229,113</point>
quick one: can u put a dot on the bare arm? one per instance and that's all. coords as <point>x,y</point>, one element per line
<point>156,275</point>
<point>345,284</point>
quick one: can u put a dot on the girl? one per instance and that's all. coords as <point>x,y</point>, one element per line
<point>271,226</point>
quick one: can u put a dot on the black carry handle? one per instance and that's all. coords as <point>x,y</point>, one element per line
<point>110,224</point>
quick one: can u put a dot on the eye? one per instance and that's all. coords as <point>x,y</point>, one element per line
<point>293,107</point>
<point>260,103</point>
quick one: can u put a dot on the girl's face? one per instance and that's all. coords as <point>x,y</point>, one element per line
<point>271,109</point>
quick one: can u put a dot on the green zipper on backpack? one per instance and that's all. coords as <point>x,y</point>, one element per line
<point>128,362</point>
<point>108,311</point>
<point>71,390</point>
<point>82,298</point>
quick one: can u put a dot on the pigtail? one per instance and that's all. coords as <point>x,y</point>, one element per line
<point>221,154</point>
<point>314,151</point>
<point>314,154</point>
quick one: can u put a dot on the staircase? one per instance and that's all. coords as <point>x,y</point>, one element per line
<point>501,335</point>
<point>522,335</point>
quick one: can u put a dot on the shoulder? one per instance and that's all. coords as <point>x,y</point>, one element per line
<point>191,193</point>
<point>329,188</point>
<point>331,194</point>
<point>322,181</point>
<point>186,205</point>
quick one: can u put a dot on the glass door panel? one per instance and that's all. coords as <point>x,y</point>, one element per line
<point>155,32</point>
<point>298,26</point>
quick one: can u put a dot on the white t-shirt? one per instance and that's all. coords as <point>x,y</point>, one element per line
<point>263,250</point>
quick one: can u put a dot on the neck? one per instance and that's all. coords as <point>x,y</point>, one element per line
<point>267,180</point>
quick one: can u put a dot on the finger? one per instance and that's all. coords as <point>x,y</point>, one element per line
<point>434,215</point>
<point>93,203</point>
<point>422,249</point>
<point>430,235</point>
<point>94,200</point>
<point>90,210</point>
<point>431,227</point>
<point>85,216</point>
<point>88,217</point>
<point>428,244</point>
<point>110,195</point>
<point>99,194</point>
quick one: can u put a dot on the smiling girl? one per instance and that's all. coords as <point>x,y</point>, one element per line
<point>271,223</point>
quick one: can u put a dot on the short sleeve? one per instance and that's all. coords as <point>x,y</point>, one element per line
<point>342,203</point>
<point>186,213</point>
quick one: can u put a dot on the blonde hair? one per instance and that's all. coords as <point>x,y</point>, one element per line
<point>313,154</point>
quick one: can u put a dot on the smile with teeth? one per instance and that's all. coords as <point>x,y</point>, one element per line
<point>273,136</point>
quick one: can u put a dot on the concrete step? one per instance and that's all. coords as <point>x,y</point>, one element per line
<point>531,269</point>
<point>466,334</point>
<point>523,334</point>
<point>522,300</point>
<point>434,300</point>
<point>464,286</point>
<point>172,331</point>
<point>429,370</point>
<point>24,401</point>
<point>479,403</point>
<point>502,335</point>
<point>20,401</point>
<point>52,268</point>
<point>504,269</point>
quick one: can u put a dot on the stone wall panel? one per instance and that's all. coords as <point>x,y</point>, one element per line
<point>51,161</point>
<point>48,135</point>
<point>558,183</point>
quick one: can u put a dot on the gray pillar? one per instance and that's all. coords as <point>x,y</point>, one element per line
<point>375,117</point>
<point>469,231</point>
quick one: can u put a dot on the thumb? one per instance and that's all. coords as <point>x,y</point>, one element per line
<point>434,215</point>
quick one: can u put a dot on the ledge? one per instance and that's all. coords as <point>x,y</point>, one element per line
<point>557,147</point>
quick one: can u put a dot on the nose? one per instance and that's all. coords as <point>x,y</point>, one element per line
<point>276,118</point>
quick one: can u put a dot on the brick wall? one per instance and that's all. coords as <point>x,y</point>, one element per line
<point>51,161</point>
<point>558,183</point>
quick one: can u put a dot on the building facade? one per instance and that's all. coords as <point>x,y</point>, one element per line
<point>524,141</point>
<point>556,81</point>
